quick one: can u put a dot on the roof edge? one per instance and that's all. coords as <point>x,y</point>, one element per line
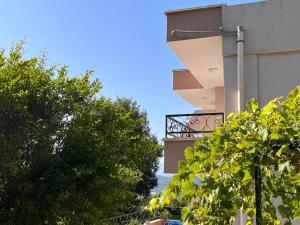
<point>195,8</point>
<point>180,70</point>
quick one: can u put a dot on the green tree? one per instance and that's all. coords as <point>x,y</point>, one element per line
<point>68,156</point>
<point>225,161</point>
<point>147,158</point>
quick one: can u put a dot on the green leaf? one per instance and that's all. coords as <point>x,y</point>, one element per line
<point>231,115</point>
<point>185,212</point>
<point>189,154</point>
<point>296,179</point>
<point>297,216</point>
<point>175,180</point>
<point>284,167</point>
<point>270,107</point>
<point>187,188</point>
<point>283,149</point>
<point>277,222</point>
<point>252,151</point>
<point>253,104</point>
<point>263,132</point>
<point>275,136</point>
<point>240,146</point>
<point>243,144</point>
<point>195,167</point>
<point>247,176</point>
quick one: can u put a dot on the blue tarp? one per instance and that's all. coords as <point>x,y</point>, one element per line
<point>173,223</point>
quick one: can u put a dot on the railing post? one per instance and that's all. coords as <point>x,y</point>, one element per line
<point>166,127</point>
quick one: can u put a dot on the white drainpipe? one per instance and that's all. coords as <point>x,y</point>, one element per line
<point>240,80</point>
<point>240,69</point>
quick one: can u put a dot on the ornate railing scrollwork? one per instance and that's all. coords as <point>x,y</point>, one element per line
<point>192,125</point>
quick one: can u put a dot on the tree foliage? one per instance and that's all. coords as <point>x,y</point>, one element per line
<point>67,155</point>
<point>225,162</point>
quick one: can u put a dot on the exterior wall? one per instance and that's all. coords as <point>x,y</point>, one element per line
<point>202,18</point>
<point>272,49</point>
<point>269,25</point>
<point>174,152</point>
<point>220,99</point>
<point>272,53</point>
<point>230,80</point>
<point>277,74</point>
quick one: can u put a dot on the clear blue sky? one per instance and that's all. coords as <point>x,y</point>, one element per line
<point>123,41</point>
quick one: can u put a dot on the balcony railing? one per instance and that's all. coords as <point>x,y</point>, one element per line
<point>192,125</point>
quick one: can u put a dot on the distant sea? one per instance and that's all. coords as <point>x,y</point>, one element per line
<point>163,181</point>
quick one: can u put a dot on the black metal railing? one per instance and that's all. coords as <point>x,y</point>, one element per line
<point>192,125</point>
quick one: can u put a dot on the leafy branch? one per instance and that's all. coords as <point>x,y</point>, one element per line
<point>225,164</point>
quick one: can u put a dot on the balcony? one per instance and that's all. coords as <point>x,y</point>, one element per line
<point>182,130</point>
<point>192,125</point>
<point>202,82</point>
<point>201,53</point>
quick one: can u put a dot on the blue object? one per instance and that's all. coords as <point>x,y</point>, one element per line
<point>173,223</point>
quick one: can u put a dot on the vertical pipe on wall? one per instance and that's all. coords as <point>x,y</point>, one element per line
<point>241,105</point>
<point>240,68</point>
<point>240,81</point>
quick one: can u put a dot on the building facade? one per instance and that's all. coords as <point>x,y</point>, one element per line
<point>205,40</point>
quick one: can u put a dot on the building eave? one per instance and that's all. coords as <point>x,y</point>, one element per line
<point>194,8</point>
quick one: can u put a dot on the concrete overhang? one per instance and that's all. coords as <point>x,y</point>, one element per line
<point>200,52</point>
<point>203,57</point>
<point>192,91</point>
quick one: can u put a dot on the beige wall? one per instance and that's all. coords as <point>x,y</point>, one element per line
<point>269,25</point>
<point>220,99</point>
<point>277,74</point>
<point>174,152</point>
<point>272,50</point>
